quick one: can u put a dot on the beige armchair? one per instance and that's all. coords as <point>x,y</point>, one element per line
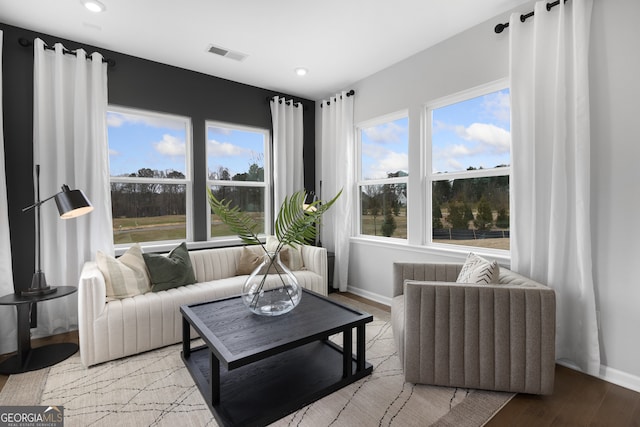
<point>493,337</point>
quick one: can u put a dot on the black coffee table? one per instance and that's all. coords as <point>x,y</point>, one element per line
<point>254,370</point>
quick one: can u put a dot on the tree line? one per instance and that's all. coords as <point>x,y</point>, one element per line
<point>384,201</point>
<point>460,196</point>
<point>139,200</point>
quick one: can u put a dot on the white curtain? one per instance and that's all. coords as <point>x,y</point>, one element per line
<point>551,239</point>
<point>70,144</point>
<point>338,173</point>
<point>7,313</point>
<point>288,174</point>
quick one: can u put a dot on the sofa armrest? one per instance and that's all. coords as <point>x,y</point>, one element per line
<point>495,337</point>
<point>440,272</point>
<point>92,296</point>
<point>315,259</point>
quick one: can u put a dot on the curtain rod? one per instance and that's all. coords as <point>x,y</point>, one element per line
<point>500,27</point>
<point>286,101</point>
<point>27,43</point>
<point>350,93</point>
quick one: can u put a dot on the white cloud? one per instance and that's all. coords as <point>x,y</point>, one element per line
<point>115,119</point>
<point>383,161</point>
<point>454,164</point>
<point>498,106</point>
<point>386,133</point>
<point>220,131</point>
<point>113,152</point>
<point>490,137</point>
<point>393,162</point>
<point>225,149</point>
<point>170,146</point>
<point>479,144</point>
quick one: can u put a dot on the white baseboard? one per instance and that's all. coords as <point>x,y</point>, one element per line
<point>369,295</point>
<point>611,375</point>
<point>614,376</point>
<point>623,379</point>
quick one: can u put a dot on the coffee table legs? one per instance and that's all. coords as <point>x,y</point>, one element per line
<point>360,348</point>
<point>214,378</point>
<point>347,351</point>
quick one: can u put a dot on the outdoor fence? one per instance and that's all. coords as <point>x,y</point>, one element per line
<point>459,234</point>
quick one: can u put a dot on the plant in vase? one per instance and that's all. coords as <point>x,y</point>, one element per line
<point>296,224</point>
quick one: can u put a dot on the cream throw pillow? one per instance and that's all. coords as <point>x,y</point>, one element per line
<point>126,276</point>
<point>252,257</point>
<point>479,271</point>
<point>295,254</point>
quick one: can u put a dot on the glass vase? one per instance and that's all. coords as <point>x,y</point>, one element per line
<point>271,289</point>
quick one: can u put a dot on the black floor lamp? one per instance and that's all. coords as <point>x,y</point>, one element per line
<point>71,204</point>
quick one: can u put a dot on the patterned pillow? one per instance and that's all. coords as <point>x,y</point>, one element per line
<point>479,271</point>
<point>125,276</point>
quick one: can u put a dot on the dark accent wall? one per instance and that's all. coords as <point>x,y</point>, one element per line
<point>137,83</point>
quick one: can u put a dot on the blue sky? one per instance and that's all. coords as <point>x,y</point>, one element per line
<point>385,149</point>
<point>140,141</point>
<point>476,132</point>
<point>159,142</point>
<point>234,149</point>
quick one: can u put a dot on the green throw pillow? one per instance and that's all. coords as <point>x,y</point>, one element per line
<point>170,271</point>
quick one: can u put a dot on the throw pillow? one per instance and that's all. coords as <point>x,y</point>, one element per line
<point>126,276</point>
<point>170,271</point>
<point>295,254</point>
<point>252,257</point>
<point>479,271</point>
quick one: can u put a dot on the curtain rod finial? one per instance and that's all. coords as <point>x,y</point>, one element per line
<point>500,27</point>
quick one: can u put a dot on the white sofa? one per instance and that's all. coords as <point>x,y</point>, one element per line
<point>117,328</point>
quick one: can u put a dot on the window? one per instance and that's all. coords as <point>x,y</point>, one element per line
<point>238,170</point>
<point>382,182</point>
<point>150,178</point>
<point>470,166</point>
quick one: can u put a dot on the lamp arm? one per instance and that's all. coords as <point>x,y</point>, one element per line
<point>38,203</point>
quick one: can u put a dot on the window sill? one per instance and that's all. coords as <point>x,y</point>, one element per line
<point>457,253</point>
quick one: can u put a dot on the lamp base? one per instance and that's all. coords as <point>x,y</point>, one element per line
<point>38,287</point>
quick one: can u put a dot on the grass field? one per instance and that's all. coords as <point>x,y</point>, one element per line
<point>371,226</point>
<point>502,243</point>
<point>158,228</point>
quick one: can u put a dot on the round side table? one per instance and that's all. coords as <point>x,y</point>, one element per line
<point>27,358</point>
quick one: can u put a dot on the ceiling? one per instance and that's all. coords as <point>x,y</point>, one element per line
<point>338,41</point>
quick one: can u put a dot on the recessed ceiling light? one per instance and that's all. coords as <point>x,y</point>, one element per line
<point>301,71</point>
<point>93,5</point>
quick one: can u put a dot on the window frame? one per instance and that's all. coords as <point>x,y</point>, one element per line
<point>430,177</point>
<point>361,182</point>
<point>187,181</point>
<point>267,184</point>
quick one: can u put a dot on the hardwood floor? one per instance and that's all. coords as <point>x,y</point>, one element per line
<point>578,399</point>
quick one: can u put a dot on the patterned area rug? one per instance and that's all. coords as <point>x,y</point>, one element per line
<point>155,389</point>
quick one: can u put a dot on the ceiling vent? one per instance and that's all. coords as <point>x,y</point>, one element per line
<point>231,54</point>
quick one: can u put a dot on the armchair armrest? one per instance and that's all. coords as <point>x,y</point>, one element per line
<point>435,272</point>
<point>495,337</point>
<point>315,259</point>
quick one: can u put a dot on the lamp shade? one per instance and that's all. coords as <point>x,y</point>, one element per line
<point>72,203</point>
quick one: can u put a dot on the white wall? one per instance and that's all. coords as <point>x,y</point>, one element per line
<point>615,203</point>
<point>479,56</point>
